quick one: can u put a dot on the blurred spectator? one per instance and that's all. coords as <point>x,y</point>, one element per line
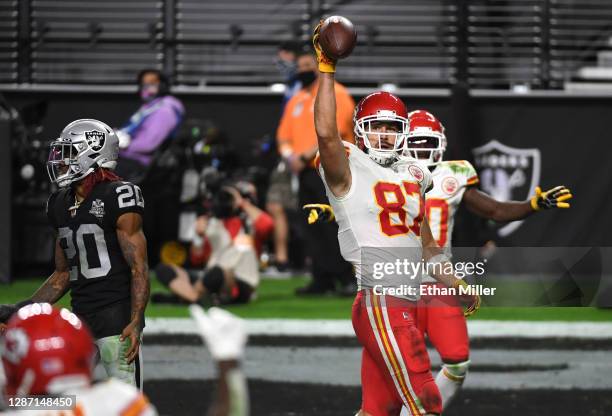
<point>157,119</point>
<point>297,144</point>
<point>286,63</point>
<point>229,237</point>
<point>281,198</point>
<point>143,141</point>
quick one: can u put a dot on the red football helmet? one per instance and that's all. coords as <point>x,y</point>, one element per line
<point>381,107</point>
<point>426,140</point>
<point>46,351</point>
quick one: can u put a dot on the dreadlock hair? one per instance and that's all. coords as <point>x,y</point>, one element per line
<point>97,176</point>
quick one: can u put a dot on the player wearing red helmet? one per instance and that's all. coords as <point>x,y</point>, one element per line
<point>453,182</point>
<point>48,351</point>
<point>379,210</point>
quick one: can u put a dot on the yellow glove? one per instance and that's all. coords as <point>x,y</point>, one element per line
<point>553,198</point>
<point>473,301</point>
<point>319,213</point>
<point>326,64</point>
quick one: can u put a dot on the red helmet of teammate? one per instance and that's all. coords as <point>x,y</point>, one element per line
<point>379,117</point>
<point>46,351</point>
<point>426,140</point>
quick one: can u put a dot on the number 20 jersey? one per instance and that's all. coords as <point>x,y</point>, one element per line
<point>450,181</point>
<point>379,219</point>
<point>99,274</point>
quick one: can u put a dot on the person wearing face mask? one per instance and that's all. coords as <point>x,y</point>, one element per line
<point>297,145</point>
<point>142,140</point>
<point>156,121</point>
<point>286,64</point>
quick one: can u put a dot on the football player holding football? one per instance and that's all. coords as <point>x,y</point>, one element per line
<point>380,212</point>
<point>453,181</point>
<point>50,352</point>
<point>100,248</point>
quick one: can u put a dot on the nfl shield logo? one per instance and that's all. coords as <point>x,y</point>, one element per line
<point>507,173</point>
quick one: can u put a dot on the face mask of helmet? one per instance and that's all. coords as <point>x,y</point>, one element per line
<point>382,138</point>
<point>306,78</point>
<point>425,148</point>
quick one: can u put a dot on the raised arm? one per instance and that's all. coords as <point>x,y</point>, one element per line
<point>484,206</point>
<point>331,150</point>
<point>134,248</point>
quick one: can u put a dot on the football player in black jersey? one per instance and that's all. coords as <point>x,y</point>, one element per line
<point>100,248</point>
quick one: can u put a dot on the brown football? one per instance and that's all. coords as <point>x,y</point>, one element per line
<point>337,37</point>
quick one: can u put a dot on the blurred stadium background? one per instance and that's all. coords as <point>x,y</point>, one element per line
<point>529,74</point>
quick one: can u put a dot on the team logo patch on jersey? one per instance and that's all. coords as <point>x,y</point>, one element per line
<point>507,173</point>
<point>450,185</point>
<point>95,139</point>
<point>416,172</point>
<point>97,208</point>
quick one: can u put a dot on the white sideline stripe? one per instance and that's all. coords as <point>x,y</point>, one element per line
<point>344,328</point>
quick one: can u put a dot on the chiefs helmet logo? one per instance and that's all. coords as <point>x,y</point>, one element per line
<point>450,185</point>
<point>15,345</point>
<point>416,172</point>
<point>95,139</point>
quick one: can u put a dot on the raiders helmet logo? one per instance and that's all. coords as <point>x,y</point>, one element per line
<point>95,139</point>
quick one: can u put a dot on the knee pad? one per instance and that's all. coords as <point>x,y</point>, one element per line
<point>456,372</point>
<point>165,274</point>
<point>213,279</point>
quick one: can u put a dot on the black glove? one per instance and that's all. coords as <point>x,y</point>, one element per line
<point>6,311</point>
<point>319,213</point>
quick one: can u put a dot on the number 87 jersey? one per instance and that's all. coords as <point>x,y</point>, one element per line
<point>99,274</point>
<point>380,217</point>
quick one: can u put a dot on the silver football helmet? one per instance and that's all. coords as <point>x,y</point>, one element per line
<point>82,146</point>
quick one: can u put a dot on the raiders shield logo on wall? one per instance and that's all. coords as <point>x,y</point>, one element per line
<point>507,173</point>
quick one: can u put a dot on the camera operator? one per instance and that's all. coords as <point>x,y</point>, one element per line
<point>230,234</point>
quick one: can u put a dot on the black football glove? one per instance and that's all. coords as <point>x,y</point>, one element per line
<point>6,311</point>
<point>319,213</point>
<point>553,198</point>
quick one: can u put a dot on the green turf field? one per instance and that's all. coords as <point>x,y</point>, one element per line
<point>276,300</point>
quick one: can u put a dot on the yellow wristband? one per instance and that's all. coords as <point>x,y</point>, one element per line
<point>534,203</point>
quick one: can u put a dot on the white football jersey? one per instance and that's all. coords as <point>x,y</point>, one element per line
<point>108,398</point>
<point>450,181</point>
<point>379,219</point>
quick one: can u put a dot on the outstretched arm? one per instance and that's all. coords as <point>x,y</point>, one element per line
<point>331,150</point>
<point>484,206</point>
